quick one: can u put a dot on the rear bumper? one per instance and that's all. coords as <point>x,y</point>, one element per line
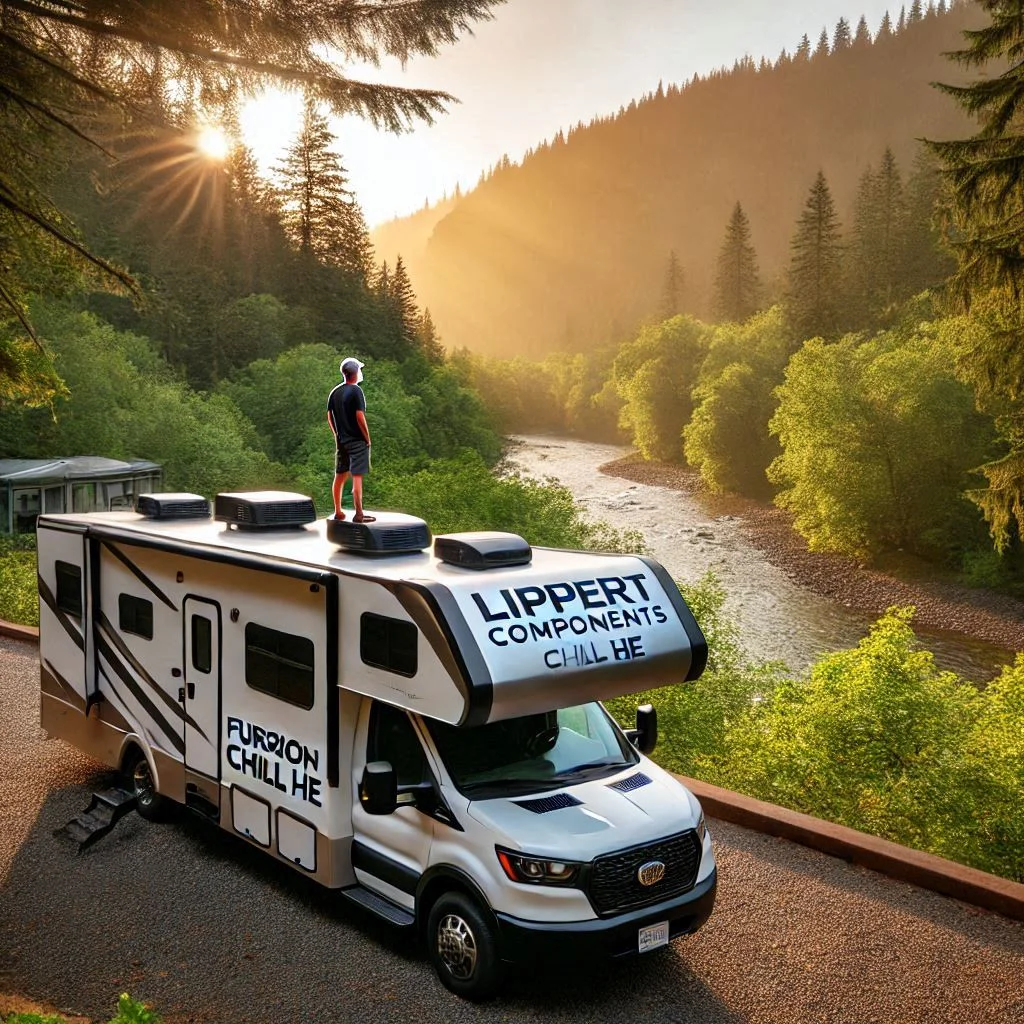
<point>612,936</point>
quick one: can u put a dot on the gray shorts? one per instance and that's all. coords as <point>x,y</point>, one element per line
<point>353,457</point>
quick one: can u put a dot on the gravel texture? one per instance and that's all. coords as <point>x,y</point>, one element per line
<point>210,930</point>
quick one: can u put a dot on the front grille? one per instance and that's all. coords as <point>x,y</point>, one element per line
<point>613,885</point>
<point>274,513</point>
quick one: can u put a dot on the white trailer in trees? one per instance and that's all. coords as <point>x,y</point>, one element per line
<point>420,729</point>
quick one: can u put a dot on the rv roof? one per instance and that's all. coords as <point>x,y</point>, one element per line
<point>308,546</point>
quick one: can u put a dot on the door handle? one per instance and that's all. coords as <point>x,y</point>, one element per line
<point>191,691</point>
<point>181,694</point>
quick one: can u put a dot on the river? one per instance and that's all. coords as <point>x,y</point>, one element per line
<point>777,617</point>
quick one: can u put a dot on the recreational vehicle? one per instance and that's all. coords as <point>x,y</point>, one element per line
<point>416,724</point>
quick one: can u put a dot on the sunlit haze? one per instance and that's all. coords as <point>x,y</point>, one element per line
<point>539,66</point>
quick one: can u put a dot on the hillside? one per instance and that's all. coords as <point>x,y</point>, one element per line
<point>569,248</point>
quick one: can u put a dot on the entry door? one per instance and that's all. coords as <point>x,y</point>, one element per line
<point>202,686</point>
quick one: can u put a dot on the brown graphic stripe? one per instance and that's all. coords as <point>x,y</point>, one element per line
<point>53,683</point>
<point>62,617</point>
<point>139,574</point>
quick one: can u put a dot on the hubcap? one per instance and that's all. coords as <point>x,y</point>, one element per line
<point>456,945</point>
<point>143,782</point>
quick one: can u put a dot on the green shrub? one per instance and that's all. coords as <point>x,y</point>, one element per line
<point>19,591</point>
<point>129,1011</point>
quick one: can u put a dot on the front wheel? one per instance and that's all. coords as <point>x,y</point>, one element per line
<point>149,803</point>
<point>463,947</point>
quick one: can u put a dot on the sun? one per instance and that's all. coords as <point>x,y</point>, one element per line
<point>212,142</point>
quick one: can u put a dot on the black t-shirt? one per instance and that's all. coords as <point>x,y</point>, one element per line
<point>342,405</point>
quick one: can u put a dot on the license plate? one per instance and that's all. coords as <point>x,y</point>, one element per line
<point>653,936</point>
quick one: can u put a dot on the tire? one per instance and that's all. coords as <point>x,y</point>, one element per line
<point>150,804</point>
<point>463,946</point>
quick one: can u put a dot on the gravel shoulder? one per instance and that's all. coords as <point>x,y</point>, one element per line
<point>982,614</point>
<point>213,932</point>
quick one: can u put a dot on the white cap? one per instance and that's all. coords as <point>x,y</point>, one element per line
<point>350,365</point>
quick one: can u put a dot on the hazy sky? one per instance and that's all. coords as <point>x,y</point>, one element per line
<point>541,65</point>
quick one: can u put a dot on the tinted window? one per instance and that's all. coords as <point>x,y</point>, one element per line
<point>279,664</point>
<point>202,643</point>
<point>388,643</point>
<point>392,738</point>
<point>135,615</point>
<point>69,588</point>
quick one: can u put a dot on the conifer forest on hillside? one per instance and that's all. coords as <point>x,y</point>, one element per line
<point>799,277</point>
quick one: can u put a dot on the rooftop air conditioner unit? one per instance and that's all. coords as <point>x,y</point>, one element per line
<point>482,550</point>
<point>173,506</point>
<point>264,510</point>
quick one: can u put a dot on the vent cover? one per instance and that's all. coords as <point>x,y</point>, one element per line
<point>262,510</point>
<point>482,550</point>
<point>173,506</point>
<point>631,782</point>
<point>392,533</point>
<point>543,804</point>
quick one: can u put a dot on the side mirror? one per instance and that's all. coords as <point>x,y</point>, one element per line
<point>378,790</point>
<point>645,735</point>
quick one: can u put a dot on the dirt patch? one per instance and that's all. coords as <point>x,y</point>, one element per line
<point>982,614</point>
<point>17,1004</point>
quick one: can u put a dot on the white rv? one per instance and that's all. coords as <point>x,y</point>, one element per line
<point>417,727</point>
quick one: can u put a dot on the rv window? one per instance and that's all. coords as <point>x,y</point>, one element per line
<point>279,664</point>
<point>69,588</point>
<point>202,643</point>
<point>392,738</point>
<point>388,643</point>
<point>135,615</point>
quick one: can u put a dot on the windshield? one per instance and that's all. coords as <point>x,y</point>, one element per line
<point>533,753</point>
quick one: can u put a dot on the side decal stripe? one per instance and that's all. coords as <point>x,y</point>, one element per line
<point>71,696</point>
<point>137,692</point>
<point>139,574</point>
<point>176,709</point>
<point>62,617</point>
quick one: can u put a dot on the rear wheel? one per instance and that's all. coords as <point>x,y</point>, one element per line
<point>149,803</point>
<point>463,947</point>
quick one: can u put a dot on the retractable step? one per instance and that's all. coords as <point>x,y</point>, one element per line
<point>379,905</point>
<point>106,809</point>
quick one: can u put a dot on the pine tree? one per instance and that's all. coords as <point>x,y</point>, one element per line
<point>60,62</point>
<point>803,51</point>
<point>885,29</point>
<point>672,290</point>
<point>862,39</point>
<point>737,285</point>
<point>927,263</point>
<point>841,37</point>
<point>821,50</point>
<point>815,269</point>
<point>430,341</point>
<point>320,210</point>
<point>403,300</point>
<point>986,176</point>
<point>916,14</point>
<point>901,24</point>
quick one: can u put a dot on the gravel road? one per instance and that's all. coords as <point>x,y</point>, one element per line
<point>210,930</point>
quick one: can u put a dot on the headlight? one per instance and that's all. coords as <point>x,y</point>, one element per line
<point>537,870</point>
<point>701,827</point>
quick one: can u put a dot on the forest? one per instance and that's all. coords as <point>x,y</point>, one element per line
<point>830,320</point>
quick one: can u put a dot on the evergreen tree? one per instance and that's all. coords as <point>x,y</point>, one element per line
<point>885,29</point>
<point>737,285</point>
<point>841,37</point>
<point>403,301</point>
<point>672,290</point>
<point>812,302</point>
<point>901,24</point>
<point>927,262</point>
<point>916,14</point>
<point>986,175</point>
<point>430,341</point>
<point>863,37</point>
<point>821,50</point>
<point>60,62</point>
<point>803,51</point>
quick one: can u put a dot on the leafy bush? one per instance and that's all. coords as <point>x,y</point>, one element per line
<point>875,737</point>
<point>129,1011</point>
<point>19,591</point>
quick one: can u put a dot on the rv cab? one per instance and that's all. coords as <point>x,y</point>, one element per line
<point>415,722</point>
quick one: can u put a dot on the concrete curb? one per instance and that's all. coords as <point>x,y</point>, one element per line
<point>13,630</point>
<point>924,870</point>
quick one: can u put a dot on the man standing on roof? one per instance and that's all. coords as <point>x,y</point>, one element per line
<point>346,413</point>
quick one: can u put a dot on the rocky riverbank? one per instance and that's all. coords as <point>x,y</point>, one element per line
<point>981,614</point>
